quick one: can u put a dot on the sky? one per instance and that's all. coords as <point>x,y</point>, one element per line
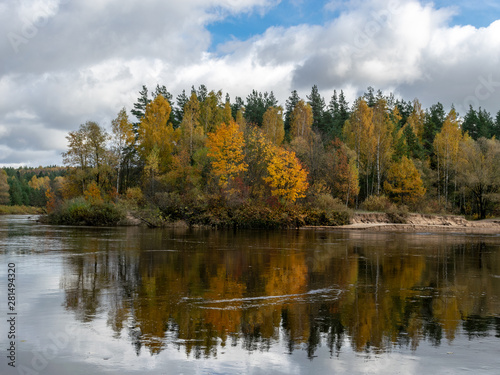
<point>65,62</point>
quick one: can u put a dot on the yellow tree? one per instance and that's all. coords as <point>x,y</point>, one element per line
<point>359,136</point>
<point>191,131</point>
<point>446,147</point>
<point>155,132</point>
<point>382,131</point>
<point>417,120</point>
<point>122,137</point>
<point>404,183</point>
<point>301,120</point>
<point>225,148</point>
<point>286,177</point>
<point>39,183</point>
<point>226,112</point>
<point>211,113</point>
<point>4,188</point>
<point>273,125</point>
<point>480,171</point>
<point>344,176</point>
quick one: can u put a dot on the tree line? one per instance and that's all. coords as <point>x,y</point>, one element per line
<point>26,186</point>
<point>202,146</point>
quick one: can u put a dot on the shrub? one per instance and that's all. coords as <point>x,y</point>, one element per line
<point>79,211</point>
<point>378,203</point>
<point>398,214</point>
<point>326,210</point>
<point>135,196</point>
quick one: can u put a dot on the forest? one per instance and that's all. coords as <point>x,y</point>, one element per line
<point>205,159</point>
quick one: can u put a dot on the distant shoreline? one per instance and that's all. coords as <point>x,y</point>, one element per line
<point>381,222</point>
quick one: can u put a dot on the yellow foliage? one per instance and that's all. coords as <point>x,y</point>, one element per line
<point>286,177</point>
<point>225,148</point>
<point>154,131</point>
<point>301,120</point>
<point>39,183</point>
<point>273,126</point>
<point>404,181</point>
<point>92,193</point>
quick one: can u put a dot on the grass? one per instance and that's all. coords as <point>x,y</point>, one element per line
<point>20,210</point>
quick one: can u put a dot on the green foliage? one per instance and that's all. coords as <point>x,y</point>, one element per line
<point>79,211</point>
<point>257,104</point>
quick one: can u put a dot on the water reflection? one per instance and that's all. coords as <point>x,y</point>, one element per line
<point>200,291</point>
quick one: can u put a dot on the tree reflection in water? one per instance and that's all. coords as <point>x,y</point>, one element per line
<point>202,290</point>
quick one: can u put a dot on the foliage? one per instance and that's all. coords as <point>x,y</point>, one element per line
<point>301,120</point>
<point>404,183</point>
<point>225,148</point>
<point>156,135</point>
<point>79,211</point>
<point>326,210</point>
<point>4,188</point>
<point>207,160</point>
<point>480,172</point>
<point>273,126</point>
<point>378,203</point>
<point>286,177</point>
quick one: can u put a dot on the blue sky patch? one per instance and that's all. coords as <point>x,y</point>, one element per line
<point>312,12</point>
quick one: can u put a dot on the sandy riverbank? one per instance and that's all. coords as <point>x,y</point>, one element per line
<point>382,222</point>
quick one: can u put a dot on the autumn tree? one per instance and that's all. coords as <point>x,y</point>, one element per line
<point>383,129</point>
<point>156,132</point>
<point>210,110</point>
<point>42,183</point>
<point>301,120</point>
<point>191,129</point>
<point>88,153</point>
<point>416,120</point>
<point>257,147</point>
<point>404,183</point>
<point>225,148</point>
<point>123,138</point>
<point>446,147</point>
<point>4,188</point>
<point>359,136</point>
<point>272,125</point>
<point>479,172</point>
<point>342,175</point>
<point>286,177</point>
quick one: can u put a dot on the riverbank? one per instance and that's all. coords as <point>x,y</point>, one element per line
<point>20,210</point>
<point>382,222</point>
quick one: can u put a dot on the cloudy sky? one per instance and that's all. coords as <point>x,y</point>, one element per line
<point>64,62</point>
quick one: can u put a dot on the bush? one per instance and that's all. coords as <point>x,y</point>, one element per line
<point>379,203</point>
<point>326,210</point>
<point>398,214</point>
<point>135,196</point>
<point>78,211</point>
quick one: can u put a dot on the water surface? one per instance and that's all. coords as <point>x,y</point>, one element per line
<point>196,301</point>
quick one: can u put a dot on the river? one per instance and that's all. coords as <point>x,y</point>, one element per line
<point>133,300</point>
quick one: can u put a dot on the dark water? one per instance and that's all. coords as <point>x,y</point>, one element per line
<point>138,300</point>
